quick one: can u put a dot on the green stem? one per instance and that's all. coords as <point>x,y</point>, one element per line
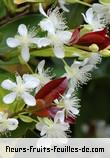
<point>17,113</point>
<point>25,63</point>
<point>69,52</point>
<point>28,66</point>
<point>83,3</point>
<point>65,63</point>
<point>48,52</point>
<point>78,1</point>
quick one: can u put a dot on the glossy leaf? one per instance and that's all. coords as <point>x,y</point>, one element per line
<point>26,119</point>
<point>52,90</point>
<point>99,37</point>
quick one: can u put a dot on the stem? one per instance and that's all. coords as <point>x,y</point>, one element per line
<point>27,65</point>
<point>48,52</point>
<point>78,1</point>
<point>8,19</point>
<point>83,3</point>
<point>29,68</point>
<point>16,113</point>
<point>65,63</point>
<point>69,52</point>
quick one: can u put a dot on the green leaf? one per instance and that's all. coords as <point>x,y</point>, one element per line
<point>26,119</point>
<point>75,18</point>
<point>3,10</point>
<point>105,1</point>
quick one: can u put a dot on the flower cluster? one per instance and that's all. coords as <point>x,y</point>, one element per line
<point>57,36</point>
<point>52,103</point>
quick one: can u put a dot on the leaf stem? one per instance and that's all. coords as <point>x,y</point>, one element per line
<point>29,68</point>
<point>65,63</point>
<point>83,3</point>
<point>78,1</point>
<point>25,63</point>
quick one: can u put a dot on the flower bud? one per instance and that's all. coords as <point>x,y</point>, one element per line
<point>94,48</point>
<point>105,52</point>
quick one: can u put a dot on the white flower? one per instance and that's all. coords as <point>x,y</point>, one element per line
<point>57,41</point>
<point>70,104</point>
<point>79,72</point>
<point>56,129</point>
<point>98,16</point>
<point>7,123</point>
<point>21,89</point>
<point>55,26</point>
<point>94,59</point>
<point>25,39</point>
<point>53,20</point>
<point>62,5</point>
<point>41,75</point>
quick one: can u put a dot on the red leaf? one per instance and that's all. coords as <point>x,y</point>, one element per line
<point>52,90</point>
<point>44,98</point>
<point>42,113</point>
<point>99,37</point>
<point>92,37</point>
<point>70,120</point>
<point>75,36</point>
<point>48,112</point>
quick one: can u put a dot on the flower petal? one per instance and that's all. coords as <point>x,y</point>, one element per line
<point>28,99</point>
<point>62,5</point>
<point>12,124</point>
<point>64,36</point>
<point>42,10</point>
<point>22,30</point>
<point>41,126</point>
<point>47,25</point>
<point>19,80</point>
<point>31,81</point>
<point>59,51</point>
<point>59,117</point>
<point>44,130</point>
<point>8,99</point>
<point>41,66</point>
<point>7,84</point>
<point>74,111</point>
<point>12,42</point>
<point>89,16</point>
<point>41,42</point>
<point>25,53</point>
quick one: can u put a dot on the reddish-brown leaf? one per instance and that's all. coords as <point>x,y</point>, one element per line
<point>98,37</point>
<point>48,112</point>
<point>52,90</point>
<point>42,113</point>
<point>75,36</point>
<point>44,98</point>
